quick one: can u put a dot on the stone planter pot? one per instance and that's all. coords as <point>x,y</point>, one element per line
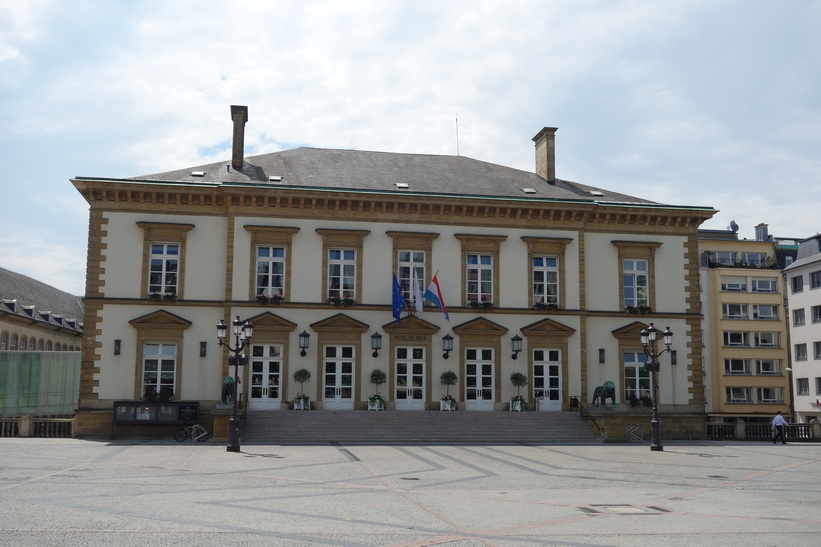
<point>302,405</point>
<point>517,406</point>
<point>378,405</point>
<point>447,405</point>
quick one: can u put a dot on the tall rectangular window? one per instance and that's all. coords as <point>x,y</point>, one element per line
<point>407,262</point>
<point>163,266</point>
<point>635,274</point>
<point>817,386</point>
<point>816,314</point>
<point>159,370</point>
<point>546,279</point>
<point>801,352</point>
<point>270,279</point>
<point>342,273</point>
<point>798,317</point>
<point>815,279</point>
<point>816,350</point>
<point>797,283</point>
<point>636,379</point>
<point>803,386</point>
<point>479,278</point>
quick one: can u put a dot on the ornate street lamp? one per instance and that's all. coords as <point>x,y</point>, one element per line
<point>242,332</point>
<point>648,342</point>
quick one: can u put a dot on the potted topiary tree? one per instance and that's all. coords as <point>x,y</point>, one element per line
<point>447,379</point>
<point>378,377</point>
<point>302,401</point>
<point>519,380</point>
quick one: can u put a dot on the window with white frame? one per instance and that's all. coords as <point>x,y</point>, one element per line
<point>736,338</point>
<point>479,277</point>
<point>765,285</point>
<point>737,366</point>
<point>768,367</point>
<point>342,273</point>
<point>733,284</point>
<point>409,261</point>
<point>636,379</point>
<point>726,258</point>
<point>797,283</point>
<point>4,337</point>
<point>816,314</point>
<point>635,282</point>
<point>163,267</point>
<point>801,352</point>
<point>803,386</point>
<point>734,311</point>
<point>270,277</point>
<point>739,395</point>
<point>770,395</point>
<point>765,312</point>
<point>754,259</point>
<point>798,317</point>
<point>766,339</point>
<point>158,370</point>
<point>13,345</point>
<point>815,279</point>
<point>546,279</point>
<point>816,350</point>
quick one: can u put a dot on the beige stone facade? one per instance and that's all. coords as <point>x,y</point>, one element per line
<point>324,212</point>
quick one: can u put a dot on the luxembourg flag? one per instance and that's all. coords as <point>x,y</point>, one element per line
<point>434,294</point>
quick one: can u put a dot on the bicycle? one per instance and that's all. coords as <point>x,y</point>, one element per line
<point>195,432</point>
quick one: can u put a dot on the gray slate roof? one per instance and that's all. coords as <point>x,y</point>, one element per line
<point>382,171</point>
<point>18,291</point>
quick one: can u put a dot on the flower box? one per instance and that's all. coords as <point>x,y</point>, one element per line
<point>376,405</point>
<point>517,405</point>
<point>302,404</point>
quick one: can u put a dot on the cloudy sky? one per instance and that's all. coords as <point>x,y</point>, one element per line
<point>694,102</point>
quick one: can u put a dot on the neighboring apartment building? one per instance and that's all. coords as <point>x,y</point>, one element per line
<point>37,317</point>
<point>803,280</point>
<point>745,329</point>
<point>307,241</point>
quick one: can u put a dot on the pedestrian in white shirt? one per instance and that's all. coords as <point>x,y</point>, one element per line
<point>779,423</point>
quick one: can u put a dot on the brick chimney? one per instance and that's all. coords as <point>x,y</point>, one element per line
<point>546,153</point>
<point>239,114</point>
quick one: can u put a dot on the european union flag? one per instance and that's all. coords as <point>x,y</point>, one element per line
<point>398,301</point>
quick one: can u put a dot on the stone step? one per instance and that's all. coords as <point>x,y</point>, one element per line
<point>319,426</point>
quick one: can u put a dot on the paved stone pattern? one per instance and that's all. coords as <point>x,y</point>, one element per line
<point>73,492</point>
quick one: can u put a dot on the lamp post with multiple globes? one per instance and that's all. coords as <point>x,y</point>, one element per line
<point>242,332</point>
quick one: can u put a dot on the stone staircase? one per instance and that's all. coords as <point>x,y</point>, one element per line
<point>419,427</point>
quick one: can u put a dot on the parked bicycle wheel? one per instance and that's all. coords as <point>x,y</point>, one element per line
<point>181,434</point>
<point>202,434</point>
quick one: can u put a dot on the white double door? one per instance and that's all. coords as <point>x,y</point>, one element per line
<point>479,378</point>
<point>338,377</point>
<point>265,377</point>
<point>409,379</point>
<point>547,379</point>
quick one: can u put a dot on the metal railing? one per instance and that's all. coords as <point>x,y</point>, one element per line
<point>758,432</point>
<point>34,426</point>
<point>584,414</point>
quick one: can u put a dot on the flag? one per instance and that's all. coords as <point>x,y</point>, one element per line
<point>434,294</point>
<point>417,293</point>
<point>398,301</point>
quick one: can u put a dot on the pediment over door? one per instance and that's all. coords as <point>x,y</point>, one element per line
<point>631,331</point>
<point>160,319</point>
<point>340,323</point>
<point>480,326</point>
<point>271,322</point>
<point>548,327</point>
<point>411,325</point>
